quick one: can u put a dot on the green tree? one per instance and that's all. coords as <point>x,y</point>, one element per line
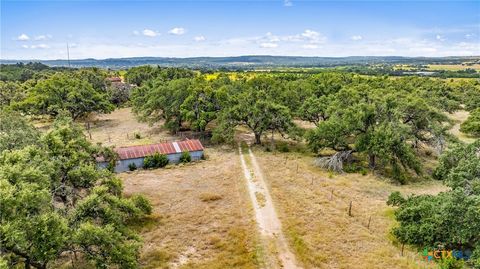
<point>373,119</point>
<point>450,219</point>
<point>161,99</point>
<point>202,104</point>
<point>255,107</point>
<point>54,201</point>
<point>16,132</point>
<point>314,109</point>
<point>472,124</point>
<point>10,92</point>
<point>66,92</point>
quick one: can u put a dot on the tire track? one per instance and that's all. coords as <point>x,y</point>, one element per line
<point>266,216</point>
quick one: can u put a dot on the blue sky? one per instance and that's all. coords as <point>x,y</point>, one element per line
<point>112,29</point>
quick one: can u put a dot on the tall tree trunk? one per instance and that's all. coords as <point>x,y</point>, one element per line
<point>257,138</point>
<point>371,161</point>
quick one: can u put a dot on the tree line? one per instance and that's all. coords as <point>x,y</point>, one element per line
<point>383,120</point>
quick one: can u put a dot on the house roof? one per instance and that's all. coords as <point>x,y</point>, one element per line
<point>162,148</point>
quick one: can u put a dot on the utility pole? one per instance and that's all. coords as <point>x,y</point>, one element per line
<point>68,55</point>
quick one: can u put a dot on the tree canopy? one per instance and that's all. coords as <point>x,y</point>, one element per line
<point>55,201</point>
<point>472,124</point>
<point>65,92</point>
<point>450,219</point>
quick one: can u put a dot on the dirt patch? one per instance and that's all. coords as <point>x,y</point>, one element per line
<point>189,232</point>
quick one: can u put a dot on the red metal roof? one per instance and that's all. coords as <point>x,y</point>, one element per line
<point>162,148</point>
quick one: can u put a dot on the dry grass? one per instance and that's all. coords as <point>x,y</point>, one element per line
<point>313,205</point>
<point>453,67</point>
<point>210,197</point>
<point>203,215</point>
<point>458,117</point>
<point>120,128</point>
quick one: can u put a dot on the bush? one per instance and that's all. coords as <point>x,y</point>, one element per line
<point>137,136</point>
<point>451,263</point>
<point>283,147</point>
<point>185,158</point>
<point>156,160</point>
<point>132,167</point>
<point>395,199</point>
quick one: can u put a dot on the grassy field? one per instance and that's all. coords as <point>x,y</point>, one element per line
<point>120,128</point>
<point>313,207</point>
<point>203,217</point>
<point>453,67</point>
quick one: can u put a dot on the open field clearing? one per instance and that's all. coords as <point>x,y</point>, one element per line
<point>316,222</point>
<point>458,117</point>
<point>202,216</point>
<point>453,67</point>
<point>121,128</point>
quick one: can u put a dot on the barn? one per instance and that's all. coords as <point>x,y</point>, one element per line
<point>173,150</point>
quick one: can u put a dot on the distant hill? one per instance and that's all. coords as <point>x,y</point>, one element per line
<point>250,62</point>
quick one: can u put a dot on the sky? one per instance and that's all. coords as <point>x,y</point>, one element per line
<point>36,29</point>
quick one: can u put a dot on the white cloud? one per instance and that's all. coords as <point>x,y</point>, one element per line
<point>272,38</point>
<point>39,46</point>
<point>356,37</point>
<point>468,36</point>
<point>42,37</point>
<point>23,37</point>
<point>310,46</point>
<point>310,34</point>
<point>287,3</point>
<point>177,31</point>
<point>136,32</point>
<point>199,38</point>
<point>149,33</point>
<point>268,45</point>
<point>313,37</point>
<point>440,38</point>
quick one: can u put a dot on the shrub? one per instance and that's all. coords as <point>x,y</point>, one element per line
<point>451,263</point>
<point>155,161</point>
<point>283,147</point>
<point>185,158</point>
<point>395,199</point>
<point>137,136</point>
<point>132,167</point>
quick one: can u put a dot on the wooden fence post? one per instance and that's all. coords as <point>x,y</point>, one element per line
<point>350,209</point>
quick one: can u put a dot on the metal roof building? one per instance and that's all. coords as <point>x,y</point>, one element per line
<point>173,150</point>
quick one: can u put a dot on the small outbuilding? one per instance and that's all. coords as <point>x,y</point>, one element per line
<point>173,151</point>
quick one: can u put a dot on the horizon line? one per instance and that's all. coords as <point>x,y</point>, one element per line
<point>245,55</point>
